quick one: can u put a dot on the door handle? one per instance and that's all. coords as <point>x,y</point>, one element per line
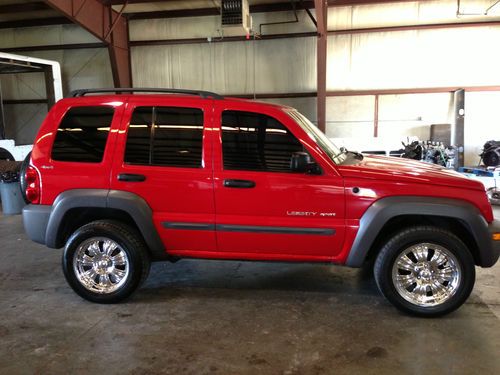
<point>130,177</point>
<point>241,184</point>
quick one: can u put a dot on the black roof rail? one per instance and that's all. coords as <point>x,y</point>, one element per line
<point>200,93</point>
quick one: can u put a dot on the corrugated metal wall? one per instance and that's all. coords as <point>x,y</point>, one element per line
<point>281,65</point>
<point>401,59</point>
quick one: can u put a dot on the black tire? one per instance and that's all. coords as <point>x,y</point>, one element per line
<point>6,155</point>
<point>22,176</point>
<point>127,239</point>
<point>440,239</point>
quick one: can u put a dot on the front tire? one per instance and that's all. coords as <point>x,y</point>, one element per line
<point>425,271</point>
<point>105,261</point>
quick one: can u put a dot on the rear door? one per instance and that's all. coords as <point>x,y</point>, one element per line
<point>165,148</point>
<point>263,209</point>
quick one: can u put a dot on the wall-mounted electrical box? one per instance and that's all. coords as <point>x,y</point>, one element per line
<point>235,15</point>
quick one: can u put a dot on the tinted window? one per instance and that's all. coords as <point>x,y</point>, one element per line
<point>139,136</point>
<point>252,141</point>
<point>82,134</point>
<point>165,136</point>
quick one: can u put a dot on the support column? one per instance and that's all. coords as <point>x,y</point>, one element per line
<point>375,117</point>
<point>322,19</point>
<point>2,117</point>
<point>458,125</point>
<point>49,87</point>
<point>107,25</point>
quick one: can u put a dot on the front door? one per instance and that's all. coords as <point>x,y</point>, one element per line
<point>263,209</point>
<point>167,160</point>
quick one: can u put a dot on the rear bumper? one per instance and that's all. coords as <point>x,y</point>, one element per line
<point>36,219</point>
<point>493,227</point>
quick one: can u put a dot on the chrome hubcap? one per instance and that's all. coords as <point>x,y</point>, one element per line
<point>426,274</point>
<point>101,265</point>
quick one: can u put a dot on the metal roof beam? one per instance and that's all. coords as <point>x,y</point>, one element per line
<point>23,7</point>
<point>343,3</point>
<point>107,25</point>
<point>331,3</point>
<point>198,12</point>
<point>213,11</point>
<point>256,8</point>
<point>35,22</point>
<point>53,47</point>
<point>121,2</point>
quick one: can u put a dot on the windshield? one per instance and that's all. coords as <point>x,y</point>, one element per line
<point>319,137</point>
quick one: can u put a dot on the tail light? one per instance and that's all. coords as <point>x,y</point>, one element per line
<point>32,185</point>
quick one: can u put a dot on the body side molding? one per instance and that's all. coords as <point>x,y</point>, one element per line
<point>188,226</point>
<point>248,228</point>
<point>276,230</point>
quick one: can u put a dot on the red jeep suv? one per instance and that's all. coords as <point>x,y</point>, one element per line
<point>120,178</point>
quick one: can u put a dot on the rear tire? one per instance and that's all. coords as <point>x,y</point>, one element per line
<point>105,261</point>
<point>425,271</point>
<point>22,176</point>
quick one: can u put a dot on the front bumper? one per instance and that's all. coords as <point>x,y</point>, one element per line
<point>494,227</point>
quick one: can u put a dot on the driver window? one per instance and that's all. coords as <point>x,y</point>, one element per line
<point>256,142</point>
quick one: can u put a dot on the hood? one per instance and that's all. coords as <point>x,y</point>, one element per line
<point>407,171</point>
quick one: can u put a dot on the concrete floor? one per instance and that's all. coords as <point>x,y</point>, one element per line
<point>209,317</point>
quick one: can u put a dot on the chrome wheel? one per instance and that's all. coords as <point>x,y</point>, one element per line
<point>426,274</point>
<point>101,265</point>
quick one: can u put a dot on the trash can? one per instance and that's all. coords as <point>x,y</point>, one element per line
<point>10,193</point>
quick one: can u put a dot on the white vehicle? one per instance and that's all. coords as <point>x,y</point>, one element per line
<point>387,146</point>
<point>8,148</point>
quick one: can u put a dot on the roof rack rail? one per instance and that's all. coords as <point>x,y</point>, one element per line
<point>202,94</point>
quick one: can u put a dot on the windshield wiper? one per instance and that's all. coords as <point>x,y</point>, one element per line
<point>343,150</point>
<point>357,155</point>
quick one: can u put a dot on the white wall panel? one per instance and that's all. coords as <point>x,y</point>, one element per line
<point>482,122</point>
<point>413,59</point>
<point>306,106</point>
<point>412,115</point>
<point>350,116</point>
<point>429,108</point>
<point>286,65</point>
<point>408,13</point>
<point>280,65</point>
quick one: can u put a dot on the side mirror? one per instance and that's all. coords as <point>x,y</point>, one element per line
<point>301,162</point>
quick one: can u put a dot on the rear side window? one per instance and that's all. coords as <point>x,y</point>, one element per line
<point>256,142</point>
<point>82,134</point>
<point>165,136</point>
